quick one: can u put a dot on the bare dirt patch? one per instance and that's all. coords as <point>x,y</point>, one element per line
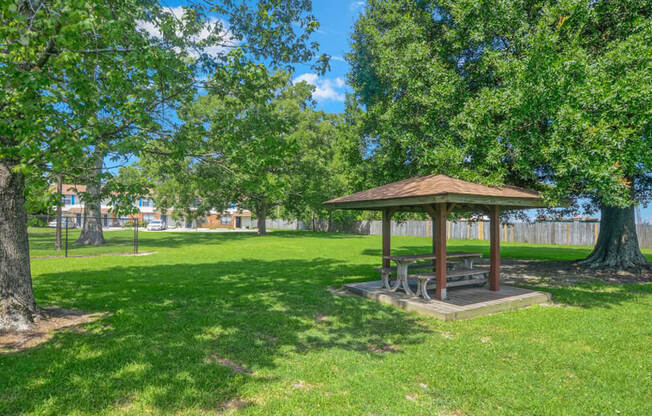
<point>339,292</point>
<point>267,338</point>
<point>233,404</point>
<point>321,318</point>
<point>52,320</point>
<point>382,349</point>
<point>564,273</point>
<point>302,385</point>
<point>299,384</point>
<point>227,363</point>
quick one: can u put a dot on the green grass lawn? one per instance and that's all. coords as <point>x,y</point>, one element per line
<point>42,242</point>
<point>209,299</point>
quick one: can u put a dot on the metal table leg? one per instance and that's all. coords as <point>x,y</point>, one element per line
<point>401,274</point>
<point>422,288</point>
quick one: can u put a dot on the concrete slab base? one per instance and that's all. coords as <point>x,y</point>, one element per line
<point>462,302</point>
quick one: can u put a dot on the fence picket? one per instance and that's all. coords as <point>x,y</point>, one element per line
<point>562,233</point>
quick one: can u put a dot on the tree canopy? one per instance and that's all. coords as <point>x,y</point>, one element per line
<point>553,95</point>
<point>253,139</point>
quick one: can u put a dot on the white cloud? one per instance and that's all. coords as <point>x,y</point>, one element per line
<point>356,5</point>
<point>338,58</point>
<point>326,89</point>
<point>178,13</point>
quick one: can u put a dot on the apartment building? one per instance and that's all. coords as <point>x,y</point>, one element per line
<point>73,207</point>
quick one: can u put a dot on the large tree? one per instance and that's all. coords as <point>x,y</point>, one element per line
<point>46,80</point>
<point>320,169</point>
<point>573,110</point>
<point>238,142</point>
<point>550,95</point>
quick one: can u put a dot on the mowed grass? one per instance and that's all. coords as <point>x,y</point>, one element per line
<point>42,242</point>
<point>206,302</point>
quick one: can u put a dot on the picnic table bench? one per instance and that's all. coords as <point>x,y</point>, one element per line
<point>470,277</point>
<point>405,261</point>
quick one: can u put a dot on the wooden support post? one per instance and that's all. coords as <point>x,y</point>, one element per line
<point>387,235</point>
<point>440,251</point>
<point>432,211</point>
<point>494,249</point>
<point>434,240</point>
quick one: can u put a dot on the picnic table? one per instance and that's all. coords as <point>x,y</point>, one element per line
<point>404,261</point>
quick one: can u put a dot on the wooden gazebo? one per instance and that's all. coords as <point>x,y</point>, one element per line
<point>439,195</point>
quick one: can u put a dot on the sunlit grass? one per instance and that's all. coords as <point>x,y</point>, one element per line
<point>42,243</point>
<point>206,301</point>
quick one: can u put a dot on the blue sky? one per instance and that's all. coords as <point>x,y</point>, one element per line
<point>336,18</point>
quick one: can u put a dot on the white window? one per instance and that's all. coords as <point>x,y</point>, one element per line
<point>68,200</point>
<point>147,203</point>
<point>225,220</point>
<point>148,217</point>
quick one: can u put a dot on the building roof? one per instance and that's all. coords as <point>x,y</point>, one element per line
<point>75,189</point>
<point>418,191</point>
<point>67,188</point>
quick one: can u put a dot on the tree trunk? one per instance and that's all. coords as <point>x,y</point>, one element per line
<point>17,306</point>
<point>57,243</point>
<point>261,215</point>
<point>91,233</point>
<point>617,245</point>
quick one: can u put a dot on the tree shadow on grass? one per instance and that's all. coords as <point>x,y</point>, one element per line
<point>178,333</point>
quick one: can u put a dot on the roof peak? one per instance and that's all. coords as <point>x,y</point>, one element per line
<point>439,187</point>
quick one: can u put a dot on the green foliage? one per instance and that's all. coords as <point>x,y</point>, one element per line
<point>84,78</point>
<point>404,73</point>
<point>125,189</point>
<point>62,63</point>
<point>572,108</point>
<point>39,198</point>
<point>545,94</point>
<point>318,173</point>
<point>131,175</point>
<point>252,139</point>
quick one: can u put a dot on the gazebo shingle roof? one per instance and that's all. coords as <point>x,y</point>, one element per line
<point>437,188</point>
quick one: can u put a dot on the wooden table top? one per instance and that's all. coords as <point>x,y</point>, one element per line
<point>429,256</point>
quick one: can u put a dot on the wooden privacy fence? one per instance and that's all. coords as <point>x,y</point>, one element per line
<point>561,233</point>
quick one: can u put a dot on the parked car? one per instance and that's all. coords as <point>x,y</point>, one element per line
<point>71,224</point>
<point>155,225</point>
